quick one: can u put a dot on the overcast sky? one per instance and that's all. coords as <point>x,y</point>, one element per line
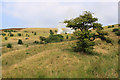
<point>44,14</point>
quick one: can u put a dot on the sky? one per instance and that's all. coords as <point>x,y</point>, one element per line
<point>48,14</point>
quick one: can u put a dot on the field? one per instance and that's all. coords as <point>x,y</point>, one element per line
<point>57,60</point>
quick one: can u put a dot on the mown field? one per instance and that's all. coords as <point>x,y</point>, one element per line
<point>57,60</point>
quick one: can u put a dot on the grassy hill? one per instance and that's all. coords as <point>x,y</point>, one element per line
<point>57,60</point>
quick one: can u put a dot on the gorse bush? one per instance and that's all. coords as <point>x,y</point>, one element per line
<point>19,34</point>
<point>51,32</point>
<point>119,41</point>
<point>116,29</point>
<point>6,38</point>
<point>36,42</point>
<point>9,45</point>
<point>11,35</point>
<point>20,41</point>
<point>117,33</point>
<point>67,37</point>
<point>51,39</point>
<point>35,33</point>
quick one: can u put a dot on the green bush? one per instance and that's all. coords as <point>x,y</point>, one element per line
<point>51,32</point>
<point>112,25</point>
<point>36,42</point>
<point>9,45</point>
<point>109,26</point>
<point>3,34</point>
<point>6,38</point>
<point>119,41</point>
<point>11,34</point>
<point>117,33</point>
<point>108,40</point>
<point>19,34</point>
<point>34,33</point>
<point>20,41</point>
<point>56,31</point>
<point>67,37</point>
<point>116,29</point>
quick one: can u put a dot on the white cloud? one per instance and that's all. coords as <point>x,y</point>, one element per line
<point>48,14</point>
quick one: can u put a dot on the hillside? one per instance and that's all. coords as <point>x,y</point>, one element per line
<point>57,60</point>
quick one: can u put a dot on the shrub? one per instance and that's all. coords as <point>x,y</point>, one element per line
<point>117,33</point>
<point>116,29</point>
<point>34,33</point>
<point>19,34</point>
<point>36,42</point>
<point>119,41</point>
<point>73,38</point>
<point>11,34</point>
<point>25,31</point>
<point>3,34</point>
<point>55,38</point>
<point>6,38</point>
<point>56,31</point>
<point>112,25</point>
<point>67,37</point>
<point>108,40</point>
<point>20,41</point>
<point>51,32</point>
<point>9,45</point>
<point>109,26</point>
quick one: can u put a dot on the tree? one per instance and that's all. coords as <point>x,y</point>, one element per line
<point>85,37</point>
<point>20,41</point>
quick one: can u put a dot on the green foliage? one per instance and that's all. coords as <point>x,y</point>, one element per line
<point>117,33</point>
<point>11,34</point>
<point>56,31</point>
<point>3,34</point>
<point>116,29</point>
<point>36,42</point>
<point>51,39</point>
<point>51,32</point>
<point>9,45</point>
<point>19,34</point>
<point>6,38</point>
<point>20,41</point>
<point>82,24</point>
<point>34,33</point>
<point>108,40</point>
<point>67,37</point>
<point>109,26</point>
<point>119,41</point>
<point>112,25</point>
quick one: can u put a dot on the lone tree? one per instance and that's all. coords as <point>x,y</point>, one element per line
<point>85,37</point>
<point>20,41</point>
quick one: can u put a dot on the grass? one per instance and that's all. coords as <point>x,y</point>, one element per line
<point>57,60</point>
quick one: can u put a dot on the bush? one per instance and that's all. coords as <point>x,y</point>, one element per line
<point>116,29</point>
<point>11,34</point>
<point>3,34</point>
<point>112,25</point>
<point>56,31</point>
<point>119,41</point>
<point>51,32</point>
<point>67,37</point>
<point>108,40</point>
<point>117,33</point>
<point>20,41</point>
<point>55,38</point>
<point>36,42</point>
<point>109,26</point>
<point>9,45</point>
<point>19,34</point>
<point>35,33</point>
<point>6,38</point>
